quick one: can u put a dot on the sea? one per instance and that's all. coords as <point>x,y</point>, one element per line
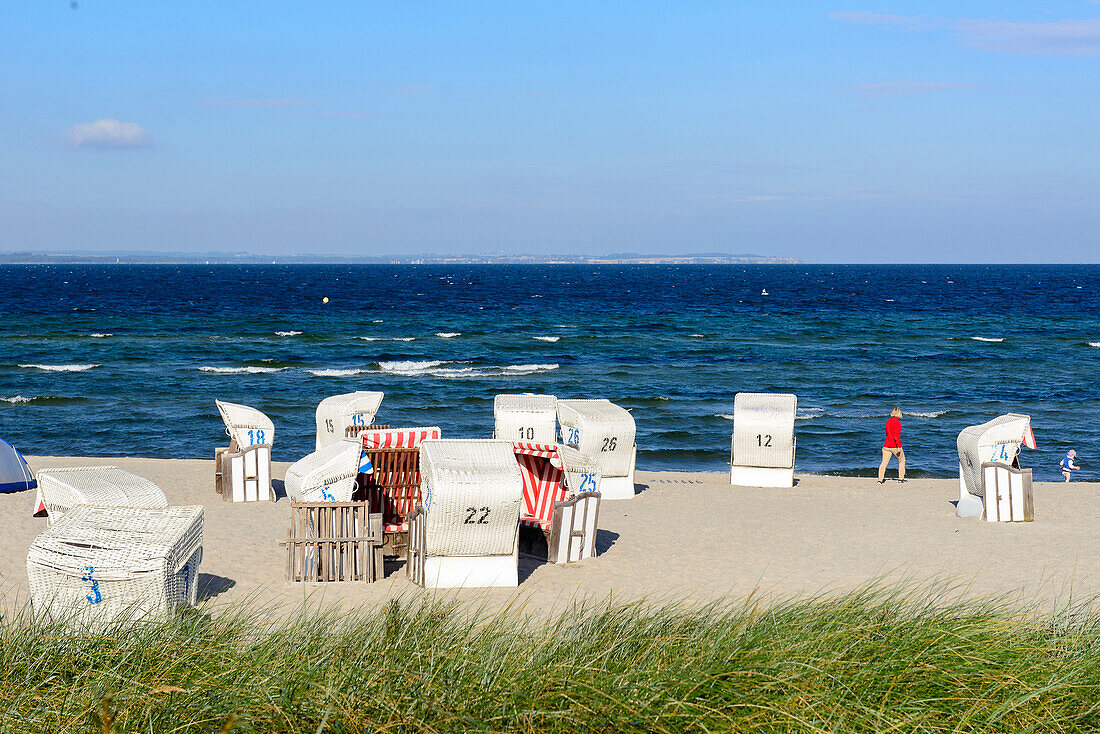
<point>127,360</point>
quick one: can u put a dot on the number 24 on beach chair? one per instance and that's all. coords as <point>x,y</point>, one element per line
<point>561,498</point>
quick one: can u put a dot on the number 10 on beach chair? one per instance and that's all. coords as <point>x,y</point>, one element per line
<point>763,443</point>
<point>242,471</point>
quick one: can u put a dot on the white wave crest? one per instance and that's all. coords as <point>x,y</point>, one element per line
<point>546,338</point>
<point>727,416</point>
<point>448,334</point>
<point>696,336</point>
<point>447,370</point>
<point>808,413</point>
<point>387,339</point>
<point>288,333</point>
<point>411,367</point>
<point>100,335</point>
<point>924,414</point>
<point>60,367</point>
<point>529,369</point>
<point>16,400</point>
<point>988,338</point>
<point>250,370</point>
<point>1094,344</point>
<point>337,373</point>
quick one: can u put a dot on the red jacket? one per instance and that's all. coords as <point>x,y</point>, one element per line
<point>893,433</point>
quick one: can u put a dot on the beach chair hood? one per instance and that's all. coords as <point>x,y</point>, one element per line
<point>247,426</point>
<point>997,440</point>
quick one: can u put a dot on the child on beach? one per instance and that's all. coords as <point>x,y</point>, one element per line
<point>1069,464</point>
<point>892,447</point>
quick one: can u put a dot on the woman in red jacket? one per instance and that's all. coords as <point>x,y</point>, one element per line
<point>892,447</point>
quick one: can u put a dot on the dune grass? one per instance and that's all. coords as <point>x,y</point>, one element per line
<point>874,660</point>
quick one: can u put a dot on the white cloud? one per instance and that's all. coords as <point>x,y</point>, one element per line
<point>1078,37</point>
<point>108,133</point>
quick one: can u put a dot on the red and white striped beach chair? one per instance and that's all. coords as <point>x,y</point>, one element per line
<point>560,498</point>
<point>392,486</point>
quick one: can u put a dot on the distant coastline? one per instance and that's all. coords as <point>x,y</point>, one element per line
<point>222,258</point>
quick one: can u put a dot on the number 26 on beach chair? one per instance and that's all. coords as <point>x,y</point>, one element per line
<point>763,443</point>
<point>242,471</point>
<point>604,432</point>
<point>561,498</point>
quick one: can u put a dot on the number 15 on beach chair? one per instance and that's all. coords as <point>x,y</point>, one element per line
<point>242,471</point>
<point>763,443</point>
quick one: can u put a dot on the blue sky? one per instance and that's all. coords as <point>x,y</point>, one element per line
<point>836,132</point>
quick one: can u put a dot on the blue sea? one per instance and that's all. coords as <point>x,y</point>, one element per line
<point>127,360</point>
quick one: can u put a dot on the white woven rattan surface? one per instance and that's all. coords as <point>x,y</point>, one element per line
<point>326,475</point>
<point>599,429</point>
<point>65,488</point>
<point>582,473</point>
<point>763,429</point>
<point>337,412</point>
<point>995,440</point>
<point>472,491</point>
<point>103,563</point>
<point>247,426</point>
<point>526,418</point>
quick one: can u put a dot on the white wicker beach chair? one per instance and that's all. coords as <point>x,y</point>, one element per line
<point>605,432</point>
<point>242,471</point>
<point>60,490</point>
<point>326,475</point>
<point>466,530</point>
<point>99,564</point>
<point>763,443</point>
<point>344,416</point>
<point>998,440</point>
<point>526,418</point>
<point>561,498</point>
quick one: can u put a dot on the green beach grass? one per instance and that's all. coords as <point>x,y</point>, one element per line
<point>874,660</point>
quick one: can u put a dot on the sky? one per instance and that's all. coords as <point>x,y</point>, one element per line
<point>831,132</point>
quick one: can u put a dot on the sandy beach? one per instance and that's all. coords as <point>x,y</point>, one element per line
<point>685,536</point>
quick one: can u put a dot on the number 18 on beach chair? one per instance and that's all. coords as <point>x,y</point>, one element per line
<point>561,498</point>
<point>242,471</point>
<point>465,531</point>
<point>605,432</point>
<point>763,443</point>
<point>995,442</point>
<point>344,416</point>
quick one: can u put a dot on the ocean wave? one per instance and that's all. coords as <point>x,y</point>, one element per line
<point>338,372</point>
<point>988,338</point>
<point>249,370</point>
<point>60,367</point>
<point>726,416</point>
<point>99,335</point>
<point>288,333</point>
<point>528,369</point>
<point>808,413</point>
<point>387,339</point>
<point>448,334</point>
<point>411,367</point>
<point>546,338</point>
<point>925,414</point>
<point>1094,344</point>
<point>449,370</point>
<point>40,400</point>
<point>696,336</point>
<point>16,400</point>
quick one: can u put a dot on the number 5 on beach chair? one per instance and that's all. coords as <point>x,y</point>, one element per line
<point>763,443</point>
<point>561,498</point>
<point>465,531</point>
<point>605,432</point>
<point>242,471</point>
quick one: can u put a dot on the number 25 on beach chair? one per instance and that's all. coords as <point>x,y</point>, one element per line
<point>242,471</point>
<point>561,498</point>
<point>605,432</point>
<point>465,531</point>
<point>763,443</point>
<point>997,443</point>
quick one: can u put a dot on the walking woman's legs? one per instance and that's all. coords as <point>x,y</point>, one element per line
<point>882,466</point>
<point>901,464</point>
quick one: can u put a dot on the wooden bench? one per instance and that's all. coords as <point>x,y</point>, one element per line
<point>333,541</point>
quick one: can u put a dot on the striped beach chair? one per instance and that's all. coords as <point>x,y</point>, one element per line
<point>242,470</point>
<point>345,416</point>
<point>996,441</point>
<point>390,480</point>
<point>561,498</point>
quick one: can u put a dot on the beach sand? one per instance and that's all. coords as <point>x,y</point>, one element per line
<point>685,536</point>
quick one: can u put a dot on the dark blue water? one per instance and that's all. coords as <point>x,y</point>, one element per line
<point>673,343</point>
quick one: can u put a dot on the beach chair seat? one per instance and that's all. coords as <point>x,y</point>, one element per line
<point>329,474</point>
<point>345,416</point>
<point>392,484</point>
<point>99,564</point>
<point>333,542</point>
<point>531,418</point>
<point>60,490</point>
<point>763,443</point>
<point>1007,495</point>
<point>465,531</point>
<point>995,441</point>
<point>605,432</point>
<point>561,498</point>
<point>242,470</point>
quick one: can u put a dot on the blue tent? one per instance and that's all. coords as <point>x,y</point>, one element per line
<point>15,475</point>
